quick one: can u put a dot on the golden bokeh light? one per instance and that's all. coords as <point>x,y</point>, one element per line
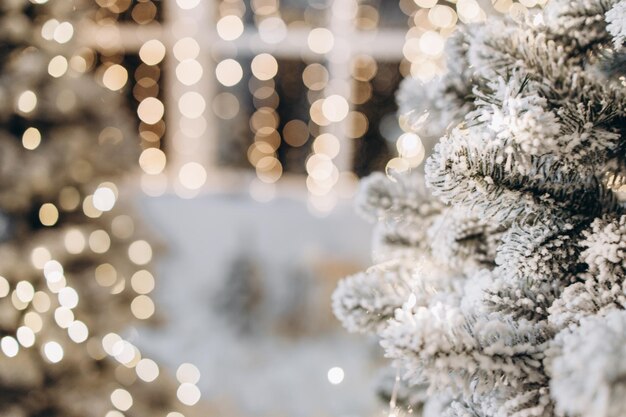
<point>115,77</point>
<point>152,161</point>
<point>58,66</point>
<point>150,110</point>
<point>229,27</point>
<point>142,307</point>
<point>27,101</point>
<point>48,214</point>
<point>189,72</point>
<point>320,40</point>
<point>264,66</point>
<point>192,175</point>
<point>31,138</point>
<point>228,72</point>
<point>140,252</point>
<point>296,133</point>
<point>152,52</point>
<point>186,48</point>
<point>53,352</point>
<point>335,108</point>
<point>191,104</point>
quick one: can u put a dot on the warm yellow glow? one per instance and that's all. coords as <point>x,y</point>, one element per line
<point>191,104</point>
<point>192,175</point>
<point>25,336</point>
<point>229,27</point>
<point>442,16</point>
<point>69,198</point>
<point>48,214</point>
<point>120,398</point>
<point>9,346</point>
<point>63,317</point>
<point>31,138</point>
<point>89,209</point>
<point>68,297</point>
<point>142,282</point>
<point>335,108</point>
<point>53,352</point>
<point>39,256</point>
<point>150,110</point>
<point>105,275</point>
<point>189,72</point>
<point>321,40</point>
<point>63,32</point>
<point>104,198</point>
<point>140,252</point>
<point>188,394</point>
<point>396,165</point>
<point>296,133</point>
<point>152,52</point>
<point>152,161</point>
<point>186,48</point>
<point>74,241</point>
<point>33,321</point>
<point>228,72</point>
<point>115,77</point>
<point>432,43</point>
<point>57,66</point>
<point>27,101</point>
<point>24,291</point>
<point>53,271</point>
<point>326,144</point>
<point>315,76</point>
<point>264,66</point>
<point>147,370</point>
<point>142,307</point>
<point>41,302</point>
<point>47,29</point>
<point>99,241</point>
<point>78,331</point>
<point>188,373</point>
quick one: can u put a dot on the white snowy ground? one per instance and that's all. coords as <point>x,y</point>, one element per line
<point>264,374</point>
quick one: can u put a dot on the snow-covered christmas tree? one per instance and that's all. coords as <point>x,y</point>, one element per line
<point>72,261</point>
<point>500,286</point>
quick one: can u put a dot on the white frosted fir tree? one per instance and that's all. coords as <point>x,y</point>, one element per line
<point>73,263</point>
<point>501,286</point>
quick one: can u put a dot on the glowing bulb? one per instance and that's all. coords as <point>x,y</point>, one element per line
<point>188,394</point>
<point>9,346</point>
<point>150,110</point>
<point>335,375</point>
<point>229,27</point>
<point>27,101</point>
<point>228,72</point>
<point>152,52</point>
<point>104,199</point>
<point>335,108</point>
<point>121,399</point>
<point>321,40</point>
<point>53,352</point>
<point>31,138</point>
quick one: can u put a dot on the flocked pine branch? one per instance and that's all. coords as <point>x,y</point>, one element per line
<point>528,236</point>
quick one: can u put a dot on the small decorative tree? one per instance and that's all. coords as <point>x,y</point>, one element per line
<point>71,259</point>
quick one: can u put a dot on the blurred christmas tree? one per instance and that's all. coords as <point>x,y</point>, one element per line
<point>505,296</point>
<point>71,261</point>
